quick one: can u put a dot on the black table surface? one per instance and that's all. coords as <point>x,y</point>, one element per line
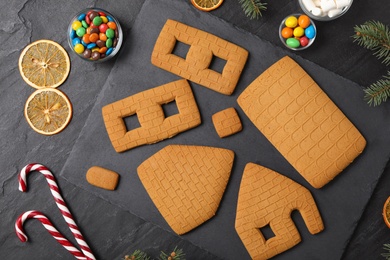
<point>119,233</point>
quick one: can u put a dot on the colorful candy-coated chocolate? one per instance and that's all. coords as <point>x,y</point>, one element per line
<point>299,35</point>
<point>91,45</point>
<point>291,22</point>
<point>293,43</point>
<point>298,31</point>
<point>81,17</point>
<point>79,48</point>
<point>94,34</point>
<point>110,33</point>
<point>80,31</point>
<point>304,41</point>
<point>303,21</point>
<point>287,32</point>
<point>97,21</point>
<point>76,41</point>
<point>310,32</point>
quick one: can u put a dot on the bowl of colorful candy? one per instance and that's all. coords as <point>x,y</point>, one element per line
<point>297,32</point>
<point>325,10</point>
<point>95,35</point>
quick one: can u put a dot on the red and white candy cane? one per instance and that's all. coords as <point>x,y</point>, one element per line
<point>59,201</point>
<point>49,227</point>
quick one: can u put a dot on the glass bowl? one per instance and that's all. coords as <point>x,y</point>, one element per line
<point>95,35</point>
<point>325,10</point>
<point>294,40</point>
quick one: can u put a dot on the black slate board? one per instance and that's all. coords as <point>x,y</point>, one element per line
<point>341,202</point>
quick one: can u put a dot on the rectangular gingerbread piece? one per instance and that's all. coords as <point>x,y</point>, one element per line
<point>147,107</point>
<point>196,65</point>
<point>302,122</point>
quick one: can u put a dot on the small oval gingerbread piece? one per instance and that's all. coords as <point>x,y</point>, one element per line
<point>102,178</point>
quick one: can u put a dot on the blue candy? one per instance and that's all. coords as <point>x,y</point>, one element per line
<point>310,32</point>
<point>73,34</point>
<point>76,41</point>
<point>110,18</point>
<point>109,51</point>
<point>91,45</point>
<point>81,17</point>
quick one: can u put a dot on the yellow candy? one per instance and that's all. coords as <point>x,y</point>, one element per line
<point>76,24</point>
<point>291,22</point>
<point>79,48</point>
<point>104,19</point>
<point>298,31</point>
<point>95,49</point>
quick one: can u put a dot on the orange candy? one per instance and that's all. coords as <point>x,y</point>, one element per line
<point>103,37</point>
<point>103,50</point>
<point>112,25</point>
<point>86,38</point>
<point>94,37</point>
<point>287,32</point>
<point>303,21</point>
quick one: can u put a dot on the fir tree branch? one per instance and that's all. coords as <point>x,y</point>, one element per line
<point>379,91</point>
<point>177,254</point>
<point>374,36</point>
<point>137,255</point>
<point>253,8</point>
<point>387,248</point>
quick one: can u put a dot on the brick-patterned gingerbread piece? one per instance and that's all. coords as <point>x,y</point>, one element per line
<point>147,106</point>
<point>267,198</point>
<point>102,178</point>
<point>302,122</point>
<point>186,183</point>
<point>195,67</point>
<point>227,122</point>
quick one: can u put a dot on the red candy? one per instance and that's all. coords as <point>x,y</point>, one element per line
<point>103,27</point>
<point>304,41</point>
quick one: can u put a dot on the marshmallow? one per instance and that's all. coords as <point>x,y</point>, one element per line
<point>340,4</point>
<point>309,5</point>
<point>334,12</point>
<point>327,5</point>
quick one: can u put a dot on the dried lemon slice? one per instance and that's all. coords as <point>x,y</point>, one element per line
<point>386,212</point>
<point>48,111</point>
<point>44,64</point>
<point>206,5</point>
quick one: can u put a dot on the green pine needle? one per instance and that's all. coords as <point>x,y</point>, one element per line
<point>137,255</point>
<point>379,91</point>
<point>253,8</point>
<point>177,254</point>
<point>374,36</point>
<point>387,248</point>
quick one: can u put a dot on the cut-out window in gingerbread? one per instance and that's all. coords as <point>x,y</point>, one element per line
<point>267,198</point>
<point>154,124</point>
<point>196,65</point>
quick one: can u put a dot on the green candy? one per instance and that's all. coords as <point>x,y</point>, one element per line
<point>109,43</point>
<point>110,33</point>
<point>84,23</point>
<point>97,21</point>
<point>80,31</point>
<point>293,43</point>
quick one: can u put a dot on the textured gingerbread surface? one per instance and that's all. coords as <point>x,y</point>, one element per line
<point>302,122</point>
<point>102,178</point>
<point>227,122</point>
<point>268,198</point>
<point>147,106</point>
<point>186,183</point>
<point>195,67</point>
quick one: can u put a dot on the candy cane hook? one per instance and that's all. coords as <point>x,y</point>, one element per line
<point>49,227</point>
<point>59,201</point>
